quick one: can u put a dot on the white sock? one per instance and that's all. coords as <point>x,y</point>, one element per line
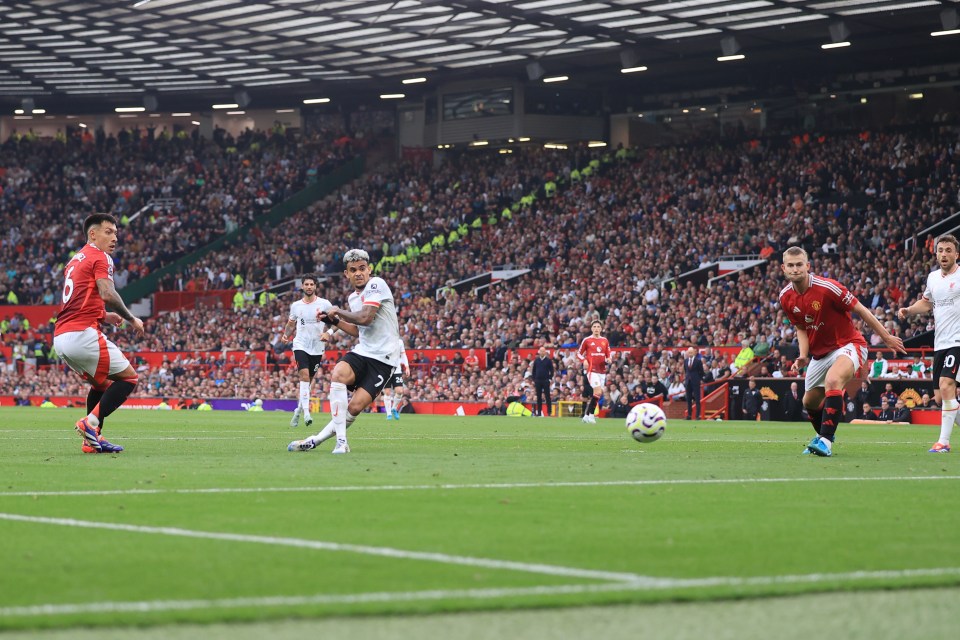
<point>396,399</point>
<point>338,409</point>
<point>387,403</point>
<point>327,432</point>
<point>305,397</point>
<point>93,420</point>
<point>948,415</point>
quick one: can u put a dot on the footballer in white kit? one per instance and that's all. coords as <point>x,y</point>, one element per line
<point>309,342</point>
<point>942,296</point>
<point>372,318</point>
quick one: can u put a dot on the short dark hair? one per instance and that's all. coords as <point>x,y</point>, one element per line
<point>947,238</point>
<point>309,276</point>
<point>94,219</point>
<point>596,322</point>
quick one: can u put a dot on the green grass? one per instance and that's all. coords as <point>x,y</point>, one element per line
<point>437,508</point>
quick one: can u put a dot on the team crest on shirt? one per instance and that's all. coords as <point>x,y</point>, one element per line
<point>816,305</point>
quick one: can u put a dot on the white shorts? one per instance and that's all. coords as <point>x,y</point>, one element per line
<point>90,354</point>
<point>597,379</point>
<point>817,371</point>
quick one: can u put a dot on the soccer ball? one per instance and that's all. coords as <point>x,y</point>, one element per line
<point>646,422</point>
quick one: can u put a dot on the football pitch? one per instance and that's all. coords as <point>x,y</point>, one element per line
<point>467,525</point>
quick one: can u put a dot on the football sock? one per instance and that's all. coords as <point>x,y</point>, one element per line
<point>816,416</point>
<point>592,405</point>
<point>93,398</point>
<point>397,397</point>
<point>327,432</point>
<point>832,410</point>
<point>338,409</point>
<point>115,395</point>
<point>304,402</point>
<point>948,415</point>
<point>387,403</point>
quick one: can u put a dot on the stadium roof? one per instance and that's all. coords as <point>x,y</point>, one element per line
<point>104,51</point>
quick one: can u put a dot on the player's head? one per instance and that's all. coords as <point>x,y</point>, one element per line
<point>947,249</point>
<point>796,264</point>
<point>596,327</point>
<point>356,264</point>
<point>309,284</point>
<point>100,230</point>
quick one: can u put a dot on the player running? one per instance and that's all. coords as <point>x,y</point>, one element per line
<point>942,296</point>
<point>88,285</point>
<point>820,309</point>
<point>309,342</point>
<point>594,353</point>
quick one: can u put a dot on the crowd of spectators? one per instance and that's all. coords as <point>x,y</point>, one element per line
<point>612,245</point>
<point>208,187</point>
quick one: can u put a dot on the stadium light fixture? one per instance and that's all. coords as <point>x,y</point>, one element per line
<point>556,79</point>
<point>834,45</point>
<point>838,36</point>
<point>316,101</point>
<point>479,143</point>
<point>129,109</point>
<point>231,105</point>
<point>236,113</point>
<point>596,143</point>
<point>181,114</point>
<point>505,151</point>
<point>950,21</point>
<point>632,69</point>
<point>392,96</point>
<point>738,56</point>
<point>18,112</point>
<point>82,125</point>
<point>38,111</point>
<point>863,100</point>
<point>524,139</point>
<point>195,122</point>
<point>729,50</point>
<point>414,81</point>
<point>285,110</point>
<point>916,96</point>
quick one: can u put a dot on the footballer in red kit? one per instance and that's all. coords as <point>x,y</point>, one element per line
<point>820,310</point>
<point>87,287</point>
<point>594,353</point>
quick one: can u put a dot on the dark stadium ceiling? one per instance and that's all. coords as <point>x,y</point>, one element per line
<point>99,53</point>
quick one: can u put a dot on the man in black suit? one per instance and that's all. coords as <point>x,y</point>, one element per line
<point>693,376</point>
<point>886,411</point>
<point>793,404</point>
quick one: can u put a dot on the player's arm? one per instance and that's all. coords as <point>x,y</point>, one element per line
<point>890,340</point>
<point>108,292</point>
<point>287,328</point>
<point>919,307</point>
<point>803,358</point>
<point>348,321</point>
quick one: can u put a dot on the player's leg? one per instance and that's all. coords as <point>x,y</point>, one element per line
<point>844,365</point>
<point>388,402</point>
<point>945,372</point>
<point>546,392</point>
<point>398,393</point>
<point>342,376</point>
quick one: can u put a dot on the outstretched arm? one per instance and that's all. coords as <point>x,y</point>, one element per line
<point>919,307</point>
<point>890,340</point>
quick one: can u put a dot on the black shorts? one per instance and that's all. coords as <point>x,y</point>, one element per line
<point>308,361</point>
<point>369,374</point>
<point>396,380</point>
<point>945,363</point>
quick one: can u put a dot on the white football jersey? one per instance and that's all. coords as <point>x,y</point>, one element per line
<point>944,292</point>
<point>309,328</point>
<point>380,339</point>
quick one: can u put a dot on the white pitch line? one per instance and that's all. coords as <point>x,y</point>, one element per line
<point>388,552</point>
<point>653,584</point>
<point>454,487</point>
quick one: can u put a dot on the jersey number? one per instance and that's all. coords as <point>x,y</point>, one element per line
<point>68,285</point>
<point>379,380</point>
<point>948,362</point>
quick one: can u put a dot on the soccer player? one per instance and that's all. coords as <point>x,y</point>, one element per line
<point>820,309</point>
<point>942,296</point>
<point>88,286</point>
<point>394,391</point>
<point>308,343</point>
<point>372,319</point>
<point>595,355</point>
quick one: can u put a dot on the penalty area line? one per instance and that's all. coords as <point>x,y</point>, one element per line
<point>455,487</point>
<point>320,545</point>
<point>651,584</point>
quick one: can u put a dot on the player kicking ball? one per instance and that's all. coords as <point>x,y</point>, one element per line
<point>820,310</point>
<point>365,370</point>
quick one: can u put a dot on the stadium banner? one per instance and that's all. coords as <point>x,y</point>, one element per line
<point>774,390</point>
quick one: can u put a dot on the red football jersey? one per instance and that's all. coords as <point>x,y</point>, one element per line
<point>823,310</point>
<point>82,305</point>
<point>595,351</point>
